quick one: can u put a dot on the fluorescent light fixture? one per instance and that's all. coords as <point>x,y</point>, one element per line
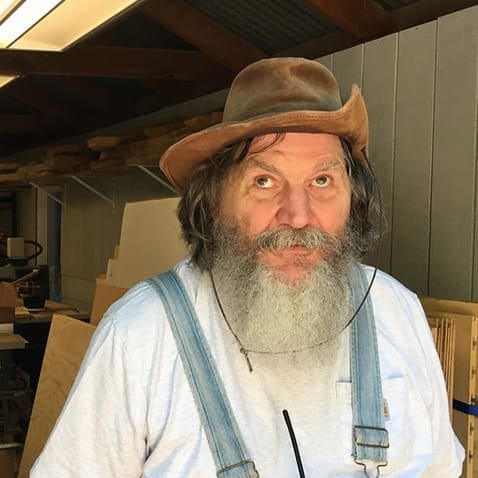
<point>21,20</point>
<point>6,7</point>
<point>61,23</point>
<point>4,80</point>
<point>53,25</point>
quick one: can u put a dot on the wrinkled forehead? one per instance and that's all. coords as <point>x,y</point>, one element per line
<point>324,147</point>
<point>294,142</point>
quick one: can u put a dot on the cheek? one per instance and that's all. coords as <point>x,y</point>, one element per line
<point>334,216</point>
<point>255,218</point>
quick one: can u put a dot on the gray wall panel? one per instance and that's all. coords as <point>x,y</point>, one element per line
<point>413,156</point>
<point>379,89</point>
<point>26,214</point>
<point>348,69</point>
<point>453,187</point>
<point>91,229</point>
<point>326,60</point>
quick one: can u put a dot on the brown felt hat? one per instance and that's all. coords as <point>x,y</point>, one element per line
<point>274,95</point>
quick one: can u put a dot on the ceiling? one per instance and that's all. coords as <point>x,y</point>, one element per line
<point>164,52</point>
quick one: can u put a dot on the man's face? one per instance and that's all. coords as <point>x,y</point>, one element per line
<point>299,182</point>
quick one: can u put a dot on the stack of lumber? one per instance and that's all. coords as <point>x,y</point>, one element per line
<point>108,155</point>
<point>444,332</point>
<point>463,317</point>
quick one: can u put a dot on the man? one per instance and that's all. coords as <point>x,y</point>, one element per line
<point>279,367</point>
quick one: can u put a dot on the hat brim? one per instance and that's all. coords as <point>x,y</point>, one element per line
<point>349,122</point>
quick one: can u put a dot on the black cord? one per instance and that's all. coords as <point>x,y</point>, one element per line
<point>294,443</point>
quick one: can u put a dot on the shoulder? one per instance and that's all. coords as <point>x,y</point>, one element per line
<point>388,292</point>
<point>140,312</point>
<point>399,316</point>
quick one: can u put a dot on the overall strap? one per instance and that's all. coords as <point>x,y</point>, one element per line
<point>223,435</point>
<point>370,438</point>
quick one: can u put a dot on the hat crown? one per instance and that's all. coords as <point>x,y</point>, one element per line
<point>280,85</point>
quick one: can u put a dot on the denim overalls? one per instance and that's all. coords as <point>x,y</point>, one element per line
<point>370,438</point>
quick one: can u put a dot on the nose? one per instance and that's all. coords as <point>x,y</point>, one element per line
<point>295,209</point>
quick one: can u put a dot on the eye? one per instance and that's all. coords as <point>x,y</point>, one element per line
<point>263,182</point>
<point>321,181</point>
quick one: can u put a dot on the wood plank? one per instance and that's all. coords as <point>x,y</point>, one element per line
<point>145,152</point>
<point>67,342</point>
<point>466,361</point>
<point>65,149</point>
<point>161,137</point>
<point>198,29</point>
<point>413,156</point>
<point>113,62</point>
<point>379,89</point>
<point>186,126</point>
<point>10,166</point>
<point>454,171</point>
<point>364,20</point>
<point>103,143</point>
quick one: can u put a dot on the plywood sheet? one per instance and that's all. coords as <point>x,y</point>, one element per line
<point>105,295</point>
<point>465,315</point>
<point>67,342</point>
<point>444,333</point>
<point>150,241</point>
<point>413,156</point>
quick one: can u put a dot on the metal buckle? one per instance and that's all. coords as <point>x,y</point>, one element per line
<point>380,442</point>
<point>255,474</point>
<point>383,431</point>
<point>366,470</point>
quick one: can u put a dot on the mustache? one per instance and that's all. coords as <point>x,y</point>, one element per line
<point>286,237</point>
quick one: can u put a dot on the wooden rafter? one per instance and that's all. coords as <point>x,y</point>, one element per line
<point>204,33</point>
<point>363,19</point>
<point>113,62</point>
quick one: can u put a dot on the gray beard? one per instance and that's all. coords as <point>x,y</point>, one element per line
<point>282,323</point>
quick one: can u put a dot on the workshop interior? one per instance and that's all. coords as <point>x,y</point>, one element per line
<point>92,93</point>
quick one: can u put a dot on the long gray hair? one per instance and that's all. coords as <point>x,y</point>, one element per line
<point>197,210</point>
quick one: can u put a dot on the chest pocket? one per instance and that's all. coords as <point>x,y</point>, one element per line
<point>408,424</point>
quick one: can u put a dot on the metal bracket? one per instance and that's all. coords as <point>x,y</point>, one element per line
<point>156,177</point>
<point>93,190</point>
<point>51,196</point>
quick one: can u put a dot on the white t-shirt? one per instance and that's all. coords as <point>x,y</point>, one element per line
<point>131,413</point>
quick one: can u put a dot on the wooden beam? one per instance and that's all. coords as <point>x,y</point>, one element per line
<point>113,62</point>
<point>364,19</point>
<point>204,33</point>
